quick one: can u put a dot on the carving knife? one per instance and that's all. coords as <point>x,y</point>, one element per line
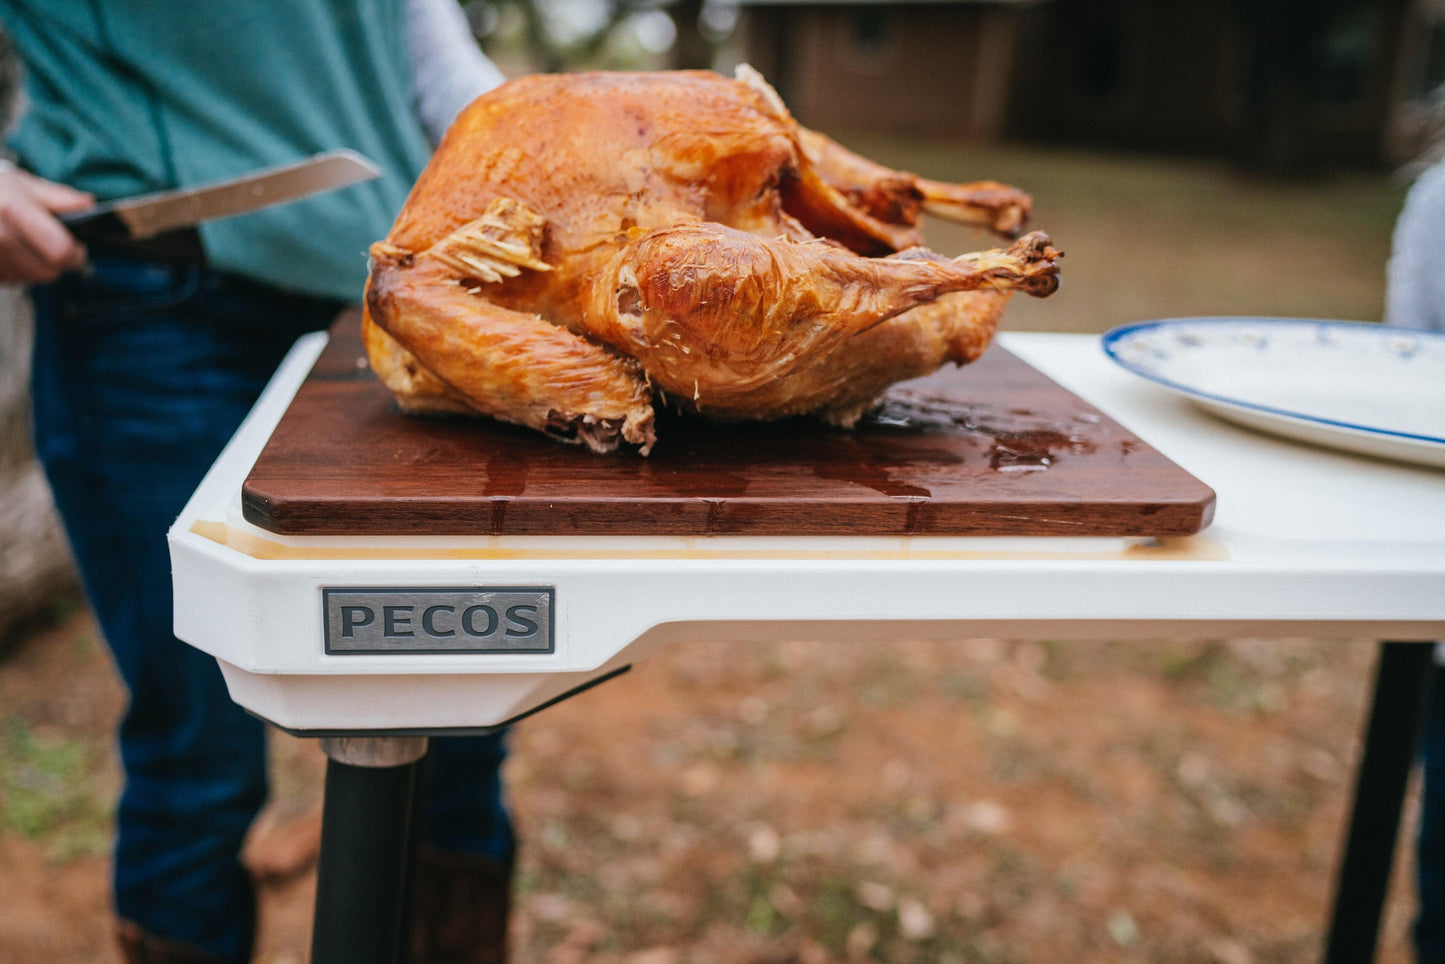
<point>145,219</point>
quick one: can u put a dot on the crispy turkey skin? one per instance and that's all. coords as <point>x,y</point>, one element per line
<point>583,247</point>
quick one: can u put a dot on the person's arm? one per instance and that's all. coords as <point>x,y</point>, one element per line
<point>34,245</point>
<point>448,68</point>
<point>1415,280</point>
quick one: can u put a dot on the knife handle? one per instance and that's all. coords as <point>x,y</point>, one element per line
<point>97,224</point>
<point>101,229</point>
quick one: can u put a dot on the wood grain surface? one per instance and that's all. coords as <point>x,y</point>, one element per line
<point>994,448</point>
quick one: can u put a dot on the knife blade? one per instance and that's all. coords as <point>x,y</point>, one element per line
<point>148,215</point>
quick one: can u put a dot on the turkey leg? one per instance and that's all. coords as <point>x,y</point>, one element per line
<point>897,197</point>
<point>512,365</point>
<point>715,314</point>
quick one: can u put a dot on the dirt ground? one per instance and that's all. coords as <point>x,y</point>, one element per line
<point>971,801</point>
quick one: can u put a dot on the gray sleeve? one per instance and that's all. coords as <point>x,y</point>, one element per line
<point>1415,276</point>
<point>448,68</point>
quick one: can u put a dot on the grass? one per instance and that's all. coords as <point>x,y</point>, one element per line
<point>47,791</point>
<point>1150,237</point>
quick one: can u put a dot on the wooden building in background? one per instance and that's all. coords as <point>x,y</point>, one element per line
<point>1284,85</point>
<point>937,67</point>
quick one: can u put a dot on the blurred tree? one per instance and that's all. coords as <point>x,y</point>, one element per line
<point>558,35</point>
<point>692,49</point>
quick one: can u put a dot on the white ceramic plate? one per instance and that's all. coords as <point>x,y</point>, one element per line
<point>1347,385</point>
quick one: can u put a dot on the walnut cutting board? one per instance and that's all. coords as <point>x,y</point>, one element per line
<point>994,448</point>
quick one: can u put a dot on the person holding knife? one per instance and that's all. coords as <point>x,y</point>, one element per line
<point>146,363</point>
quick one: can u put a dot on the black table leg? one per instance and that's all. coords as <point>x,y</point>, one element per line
<point>1402,679</point>
<point>366,829</point>
<point>420,794</point>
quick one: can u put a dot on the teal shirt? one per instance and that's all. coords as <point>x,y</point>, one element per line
<point>131,96</point>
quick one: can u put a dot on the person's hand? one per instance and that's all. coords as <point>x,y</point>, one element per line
<point>34,246</point>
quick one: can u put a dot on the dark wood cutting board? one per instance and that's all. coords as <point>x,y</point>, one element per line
<point>994,448</point>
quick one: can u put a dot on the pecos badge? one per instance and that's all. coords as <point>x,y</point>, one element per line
<point>490,619</point>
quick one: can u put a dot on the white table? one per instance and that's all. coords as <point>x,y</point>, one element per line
<point>1305,542</point>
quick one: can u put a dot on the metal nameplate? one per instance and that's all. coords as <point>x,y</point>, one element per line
<point>473,619</point>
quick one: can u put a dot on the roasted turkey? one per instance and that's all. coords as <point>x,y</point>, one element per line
<point>584,247</point>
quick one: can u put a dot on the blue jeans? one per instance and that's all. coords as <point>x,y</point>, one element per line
<point>142,372</point>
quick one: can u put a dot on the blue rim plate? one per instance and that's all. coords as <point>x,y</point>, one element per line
<point>1361,387</point>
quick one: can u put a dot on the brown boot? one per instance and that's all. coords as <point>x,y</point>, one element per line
<point>459,908</point>
<point>138,947</point>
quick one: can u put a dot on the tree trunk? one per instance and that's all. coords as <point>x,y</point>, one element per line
<point>691,50</point>
<point>35,564</point>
